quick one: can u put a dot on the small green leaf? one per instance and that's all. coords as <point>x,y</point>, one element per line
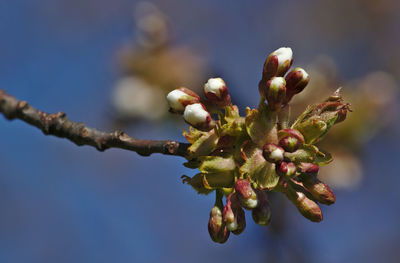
<point>260,126</point>
<point>216,164</point>
<point>323,158</point>
<point>257,168</point>
<point>203,143</point>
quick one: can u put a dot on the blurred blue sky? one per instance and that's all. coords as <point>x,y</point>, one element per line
<point>63,203</point>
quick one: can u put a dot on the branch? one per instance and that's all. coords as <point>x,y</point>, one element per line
<point>59,125</point>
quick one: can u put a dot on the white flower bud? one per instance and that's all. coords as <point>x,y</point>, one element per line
<point>273,153</point>
<point>216,91</point>
<point>198,116</point>
<point>278,63</point>
<point>178,99</point>
<point>284,55</point>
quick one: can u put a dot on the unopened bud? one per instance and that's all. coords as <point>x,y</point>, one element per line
<point>275,92</point>
<point>290,143</point>
<point>178,99</point>
<point>216,91</point>
<point>245,193</point>
<point>296,81</point>
<point>319,190</point>
<point>233,215</point>
<point>306,206</point>
<point>278,63</point>
<point>309,168</point>
<point>286,169</point>
<point>291,132</point>
<point>198,116</point>
<point>342,114</point>
<point>273,153</point>
<point>262,213</point>
<point>216,227</point>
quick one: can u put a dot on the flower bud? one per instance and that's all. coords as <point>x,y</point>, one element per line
<point>233,215</point>
<point>273,153</point>
<point>278,63</point>
<point>275,92</point>
<point>286,169</point>
<point>216,91</point>
<point>319,190</point>
<point>216,227</point>
<point>178,99</point>
<point>198,116</point>
<point>262,213</point>
<point>245,193</point>
<point>290,143</point>
<point>296,81</point>
<point>309,168</point>
<point>291,132</point>
<point>306,206</point>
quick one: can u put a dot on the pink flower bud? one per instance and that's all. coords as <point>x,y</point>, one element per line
<point>273,153</point>
<point>216,91</point>
<point>286,169</point>
<point>319,190</point>
<point>245,193</point>
<point>233,215</point>
<point>296,81</point>
<point>289,143</point>
<point>306,206</point>
<point>291,132</point>
<point>262,213</point>
<point>198,116</point>
<point>216,227</point>
<point>178,99</point>
<point>278,63</point>
<point>309,168</point>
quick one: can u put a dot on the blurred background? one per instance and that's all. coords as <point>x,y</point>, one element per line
<point>110,63</point>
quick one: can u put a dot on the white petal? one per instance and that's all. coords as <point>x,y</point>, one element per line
<point>283,54</point>
<point>195,114</point>
<point>277,155</point>
<point>277,82</point>
<point>173,99</point>
<point>214,85</point>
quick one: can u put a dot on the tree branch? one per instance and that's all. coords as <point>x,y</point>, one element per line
<point>59,125</point>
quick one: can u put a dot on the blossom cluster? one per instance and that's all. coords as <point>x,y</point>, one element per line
<point>241,158</point>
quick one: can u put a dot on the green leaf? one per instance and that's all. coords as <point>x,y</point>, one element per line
<point>216,164</point>
<point>260,126</point>
<point>312,129</point>
<point>323,158</point>
<point>257,168</point>
<point>203,143</point>
<point>306,153</point>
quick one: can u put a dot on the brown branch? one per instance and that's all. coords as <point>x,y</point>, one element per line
<point>59,125</point>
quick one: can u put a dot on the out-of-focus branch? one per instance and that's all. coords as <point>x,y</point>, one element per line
<point>59,125</point>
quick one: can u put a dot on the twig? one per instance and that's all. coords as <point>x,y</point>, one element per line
<point>59,125</point>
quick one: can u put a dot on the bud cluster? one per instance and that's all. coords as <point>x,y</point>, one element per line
<point>241,158</point>
<point>277,89</point>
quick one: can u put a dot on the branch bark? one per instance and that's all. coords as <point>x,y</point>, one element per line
<point>59,125</point>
